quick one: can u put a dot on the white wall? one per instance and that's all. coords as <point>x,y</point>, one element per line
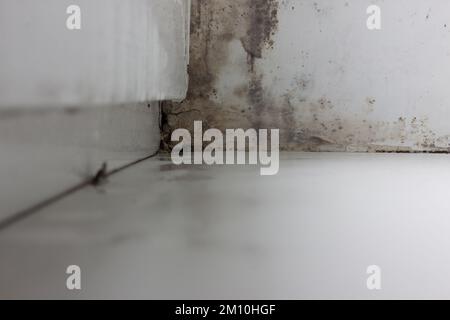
<point>126,51</point>
<point>321,76</point>
<point>73,100</point>
<point>381,88</point>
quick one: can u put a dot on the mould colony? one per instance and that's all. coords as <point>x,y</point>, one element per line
<point>231,42</point>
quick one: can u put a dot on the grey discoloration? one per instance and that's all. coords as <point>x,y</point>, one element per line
<point>235,83</point>
<point>215,26</point>
<point>262,19</point>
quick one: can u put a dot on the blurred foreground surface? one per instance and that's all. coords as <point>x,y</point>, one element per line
<point>159,231</point>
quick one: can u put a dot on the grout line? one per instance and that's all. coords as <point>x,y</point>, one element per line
<point>94,181</point>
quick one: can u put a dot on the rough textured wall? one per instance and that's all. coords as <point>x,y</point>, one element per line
<point>313,69</point>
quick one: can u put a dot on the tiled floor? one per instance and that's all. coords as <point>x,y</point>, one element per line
<point>161,231</point>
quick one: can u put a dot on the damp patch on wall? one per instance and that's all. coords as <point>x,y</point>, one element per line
<point>313,70</point>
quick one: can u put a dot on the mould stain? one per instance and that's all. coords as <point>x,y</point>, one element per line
<point>262,23</point>
<point>214,25</point>
<point>238,35</point>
